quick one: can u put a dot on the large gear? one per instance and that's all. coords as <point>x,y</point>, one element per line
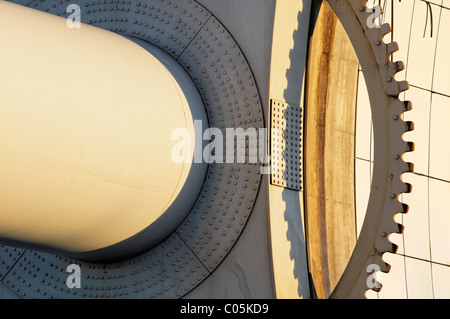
<point>374,57</point>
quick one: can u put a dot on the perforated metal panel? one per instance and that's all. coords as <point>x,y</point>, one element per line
<point>286,145</point>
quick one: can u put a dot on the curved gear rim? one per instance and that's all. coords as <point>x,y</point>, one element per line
<point>374,56</point>
<point>219,69</point>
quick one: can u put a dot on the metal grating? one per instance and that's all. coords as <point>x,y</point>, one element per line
<point>286,145</point>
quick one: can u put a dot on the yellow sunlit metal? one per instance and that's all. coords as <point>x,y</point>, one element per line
<point>85,135</point>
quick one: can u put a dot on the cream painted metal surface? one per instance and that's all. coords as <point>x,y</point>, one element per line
<point>86,147</point>
<point>286,212</point>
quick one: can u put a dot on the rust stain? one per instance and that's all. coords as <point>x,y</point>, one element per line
<point>323,81</point>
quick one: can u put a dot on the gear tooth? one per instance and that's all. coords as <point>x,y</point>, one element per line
<point>399,66</point>
<point>405,189</point>
<point>384,266</point>
<point>394,248</point>
<point>360,6</point>
<point>406,167</point>
<point>409,126</point>
<point>385,29</point>
<point>405,208</point>
<point>408,106</point>
<point>409,188</point>
<point>394,88</point>
<point>398,206</point>
<point>377,289</point>
<point>410,146</point>
<point>390,248</point>
<point>392,47</point>
<point>403,86</point>
<point>410,167</point>
<point>398,229</point>
<point>382,243</point>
